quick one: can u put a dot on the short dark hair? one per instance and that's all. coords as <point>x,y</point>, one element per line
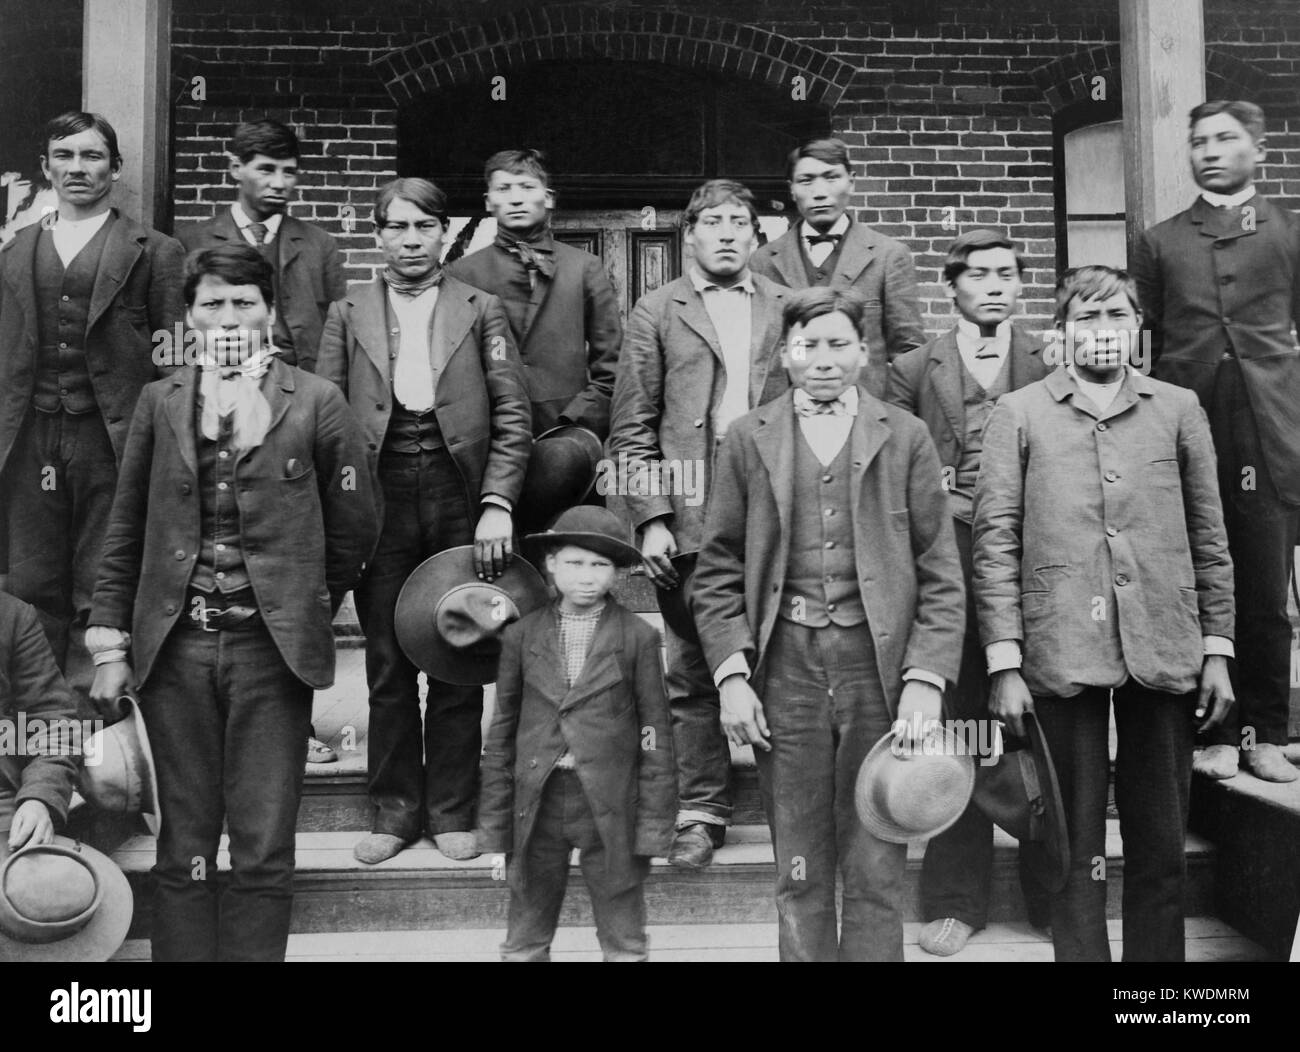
<point>268,137</point>
<point>804,305</point>
<point>420,192</point>
<point>233,264</point>
<point>518,162</point>
<point>74,122</point>
<point>976,241</point>
<point>718,192</point>
<point>1092,283</point>
<point>828,151</point>
<point>1247,114</point>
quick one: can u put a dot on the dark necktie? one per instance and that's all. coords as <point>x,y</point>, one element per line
<point>259,233</point>
<point>824,239</point>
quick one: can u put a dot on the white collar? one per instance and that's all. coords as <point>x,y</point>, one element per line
<point>1001,337</point>
<point>243,220</point>
<point>840,227</point>
<point>88,226</point>
<point>1229,200</point>
<point>702,281</point>
<point>849,397</point>
<point>1092,384</point>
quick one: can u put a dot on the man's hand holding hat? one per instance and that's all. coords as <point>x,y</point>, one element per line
<point>32,824</point>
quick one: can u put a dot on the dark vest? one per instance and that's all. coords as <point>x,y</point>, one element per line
<point>821,579</point>
<point>407,432</point>
<point>220,563</point>
<point>62,311</point>
<point>977,402</point>
<point>280,333</point>
<point>820,275</point>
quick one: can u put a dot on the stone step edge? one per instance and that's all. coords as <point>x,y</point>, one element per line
<point>748,846</point>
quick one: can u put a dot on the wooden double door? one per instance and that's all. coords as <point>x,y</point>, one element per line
<point>641,250</point>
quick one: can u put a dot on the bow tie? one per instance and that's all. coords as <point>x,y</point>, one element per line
<point>805,405</point>
<point>986,349</point>
<point>823,239</point>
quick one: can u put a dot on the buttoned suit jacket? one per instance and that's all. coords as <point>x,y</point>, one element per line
<point>880,270</point>
<point>137,292</point>
<point>1098,536</point>
<point>1207,286</point>
<point>479,395</point>
<point>908,571</point>
<point>927,382</point>
<point>311,273</point>
<point>571,335</point>
<point>614,719</point>
<point>306,515</point>
<point>671,378</point>
<point>31,686</point>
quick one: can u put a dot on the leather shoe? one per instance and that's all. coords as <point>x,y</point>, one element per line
<point>460,846</point>
<point>378,847</point>
<point>945,936</point>
<point>692,847</point>
<point>1269,763</point>
<point>1216,761</point>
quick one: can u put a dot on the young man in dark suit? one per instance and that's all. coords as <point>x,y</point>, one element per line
<point>82,296</point>
<point>827,247</point>
<point>1221,286</point>
<point>264,164</point>
<point>308,266</point>
<point>429,366</point>
<point>243,515</point>
<point>700,352</point>
<point>1102,572</point>
<point>561,306</point>
<point>952,383</point>
<point>829,599</point>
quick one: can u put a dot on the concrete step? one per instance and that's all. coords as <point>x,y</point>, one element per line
<point>1208,939</point>
<point>334,797</point>
<point>422,890</point>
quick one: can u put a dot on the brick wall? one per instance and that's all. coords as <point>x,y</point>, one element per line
<point>948,106</point>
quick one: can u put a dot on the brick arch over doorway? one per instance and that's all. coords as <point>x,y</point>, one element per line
<point>1070,78</point>
<point>578,32</point>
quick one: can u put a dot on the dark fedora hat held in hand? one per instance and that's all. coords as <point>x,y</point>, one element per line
<point>119,773</point>
<point>1021,794</point>
<point>449,622</point>
<point>596,529</point>
<point>914,794</point>
<point>561,471</point>
<point>62,901</point>
<point>674,603</point>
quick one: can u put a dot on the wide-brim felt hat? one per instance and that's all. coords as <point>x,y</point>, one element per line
<point>914,794</point>
<point>561,471</point>
<point>675,603</point>
<point>587,526</point>
<point>449,623</point>
<point>1022,795</point>
<point>62,901</point>
<point>119,773</point>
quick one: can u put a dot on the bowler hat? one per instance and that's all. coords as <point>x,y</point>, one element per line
<point>119,773</point>
<point>561,471</point>
<point>674,603</point>
<point>449,622</point>
<point>1021,794</point>
<point>596,529</point>
<point>917,793</point>
<point>61,901</point>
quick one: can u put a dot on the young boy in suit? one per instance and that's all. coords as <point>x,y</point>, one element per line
<point>952,383</point>
<point>829,600</point>
<point>579,753</point>
<point>1101,565</point>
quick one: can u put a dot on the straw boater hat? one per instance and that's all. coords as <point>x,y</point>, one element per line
<point>1021,794</point>
<point>596,529</point>
<point>449,622</point>
<point>916,794</point>
<point>122,777</point>
<point>561,471</point>
<point>61,901</point>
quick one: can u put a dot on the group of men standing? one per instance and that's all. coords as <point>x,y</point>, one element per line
<point>189,529</point>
